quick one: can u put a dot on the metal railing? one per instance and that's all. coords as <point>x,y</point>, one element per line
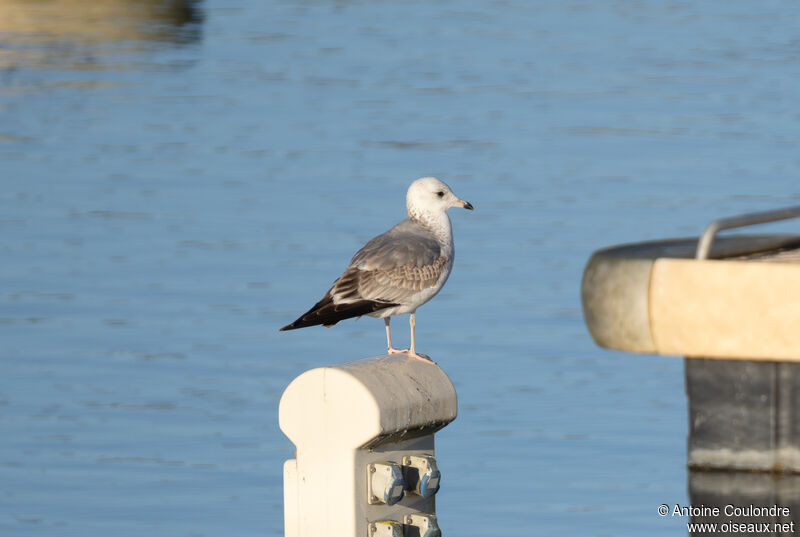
<point>750,219</point>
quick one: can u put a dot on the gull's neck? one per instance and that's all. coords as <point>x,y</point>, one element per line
<point>437,223</point>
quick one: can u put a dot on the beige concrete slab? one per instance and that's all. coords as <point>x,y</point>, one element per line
<point>616,282</point>
<point>725,309</point>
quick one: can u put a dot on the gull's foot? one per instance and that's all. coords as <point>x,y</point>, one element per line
<point>392,350</point>
<point>422,357</point>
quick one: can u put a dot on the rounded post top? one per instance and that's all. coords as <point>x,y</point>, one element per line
<point>366,402</point>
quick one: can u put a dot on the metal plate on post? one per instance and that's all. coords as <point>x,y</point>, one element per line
<point>422,525</point>
<point>385,528</point>
<point>421,474</point>
<point>385,483</point>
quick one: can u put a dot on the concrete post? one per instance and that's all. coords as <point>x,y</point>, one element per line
<point>743,498</point>
<point>364,433</point>
<point>743,414</point>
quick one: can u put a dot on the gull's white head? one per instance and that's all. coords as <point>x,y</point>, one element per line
<point>429,198</point>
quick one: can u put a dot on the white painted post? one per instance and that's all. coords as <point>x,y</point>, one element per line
<point>365,463</point>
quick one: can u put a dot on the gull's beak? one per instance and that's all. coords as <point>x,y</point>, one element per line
<point>466,204</point>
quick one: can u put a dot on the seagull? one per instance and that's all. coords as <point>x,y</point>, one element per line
<point>398,271</point>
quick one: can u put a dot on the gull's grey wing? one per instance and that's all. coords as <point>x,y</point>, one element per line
<point>387,272</point>
<point>393,267</point>
<point>405,245</point>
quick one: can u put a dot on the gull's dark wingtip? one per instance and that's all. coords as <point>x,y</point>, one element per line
<point>326,313</point>
<point>301,322</point>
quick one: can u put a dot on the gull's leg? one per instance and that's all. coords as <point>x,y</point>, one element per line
<point>412,322</point>
<point>391,350</point>
<point>412,353</point>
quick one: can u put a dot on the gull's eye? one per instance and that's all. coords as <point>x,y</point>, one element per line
<point>440,194</point>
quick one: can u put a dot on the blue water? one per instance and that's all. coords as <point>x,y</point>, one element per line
<point>172,194</point>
